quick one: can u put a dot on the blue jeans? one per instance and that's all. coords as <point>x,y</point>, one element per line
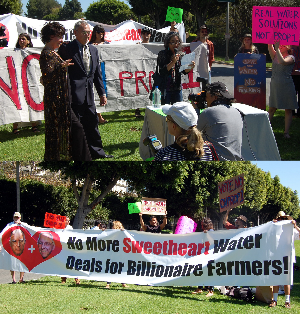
<point>172,97</point>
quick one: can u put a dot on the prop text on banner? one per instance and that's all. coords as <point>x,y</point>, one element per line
<point>276,23</point>
<point>259,256</point>
<point>54,221</point>
<point>231,192</point>
<point>250,79</point>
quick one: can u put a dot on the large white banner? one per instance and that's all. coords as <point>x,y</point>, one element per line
<point>127,32</point>
<point>259,256</point>
<point>126,70</point>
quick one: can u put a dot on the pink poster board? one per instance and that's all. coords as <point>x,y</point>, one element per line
<point>185,225</point>
<point>270,24</point>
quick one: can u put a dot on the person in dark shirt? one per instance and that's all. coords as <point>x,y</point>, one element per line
<point>153,227</point>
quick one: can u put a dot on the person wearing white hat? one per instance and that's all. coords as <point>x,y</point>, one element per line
<point>287,289</point>
<point>189,145</point>
<point>17,221</point>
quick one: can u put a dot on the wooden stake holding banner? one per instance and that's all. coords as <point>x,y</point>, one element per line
<point>154,206</point>
<point>231,193</point>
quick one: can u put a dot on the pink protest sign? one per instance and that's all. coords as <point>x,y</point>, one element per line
<point>270,24</point>
<point>185,225</point>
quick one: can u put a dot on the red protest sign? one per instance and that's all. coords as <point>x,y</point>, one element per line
<point>54,221</point>
<point>231,192</point>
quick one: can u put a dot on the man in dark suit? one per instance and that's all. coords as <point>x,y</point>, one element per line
<point>82,76</point>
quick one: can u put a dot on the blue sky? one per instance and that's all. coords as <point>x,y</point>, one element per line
<point>287,171</point>
<point>84,4</point>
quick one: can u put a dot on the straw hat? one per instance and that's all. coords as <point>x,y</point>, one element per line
<point>282,214</point>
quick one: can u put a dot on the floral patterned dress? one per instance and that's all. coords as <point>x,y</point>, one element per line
<point>56,107</point>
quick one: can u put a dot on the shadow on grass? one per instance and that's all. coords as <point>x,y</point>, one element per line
<point>113,149</point>
<point>7,135</point>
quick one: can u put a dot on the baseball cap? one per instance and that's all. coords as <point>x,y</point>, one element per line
<point>219,87</point>
<point>183,113</point>
<point>145,30</point>
<point>17,214</point>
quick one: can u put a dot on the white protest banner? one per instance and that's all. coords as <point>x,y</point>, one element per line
<point>231,192</point>
<point>126,70</point>
<point>127,32</point>
<point>153,206</point>
<point>270,24</point>
<point>259,256</point>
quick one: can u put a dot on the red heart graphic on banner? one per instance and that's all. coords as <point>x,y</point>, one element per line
<point>31,250</point>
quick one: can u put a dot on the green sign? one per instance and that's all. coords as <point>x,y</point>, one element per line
<point>134,207</point>
<point>174,15</point>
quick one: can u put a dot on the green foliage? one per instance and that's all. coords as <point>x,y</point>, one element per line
<point>11,6</point>
<point>37,9</point>
<point>36,199</point>
<point>70,9</point>
<point>53,16</point>
<point>109,12</point>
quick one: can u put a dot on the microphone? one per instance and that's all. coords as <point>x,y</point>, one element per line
<point>175,51</point>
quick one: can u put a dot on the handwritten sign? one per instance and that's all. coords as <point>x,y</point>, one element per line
<point>250,79</point>
<point>54,221</point>
<point>270,24</point>
<point>174,15</point>
<point>154,206</point>
<point>231,192</point>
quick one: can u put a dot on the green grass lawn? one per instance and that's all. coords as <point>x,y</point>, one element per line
<point>121,138</point>
<point>48,295</point>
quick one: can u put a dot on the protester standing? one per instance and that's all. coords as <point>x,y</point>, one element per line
<point>282,88</point>
<point>153,226</point>
<point>98,38</point>
<point>83,75</point>
<point>287,289</point>
<point>16,221</point>
<point>64,135</point>
<point>24,41</point>
<point>247,45</point>
<point>168,62</point>
<point>240,222</point>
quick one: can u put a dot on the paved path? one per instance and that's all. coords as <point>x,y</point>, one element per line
<point>5,276</point>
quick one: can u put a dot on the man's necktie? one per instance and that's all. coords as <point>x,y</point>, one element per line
<point>86,58</point>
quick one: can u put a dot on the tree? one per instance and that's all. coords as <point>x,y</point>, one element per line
<point>71,10</point>
<point>37,9</point>
<point>109,12</point>
<point>11,6</point>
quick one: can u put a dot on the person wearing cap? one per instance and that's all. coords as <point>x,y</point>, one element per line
<point>206,59</point>
<point>240,222</point>
<point>189,145</point>
<point>247,45</point>
<point>16,221</point>
<point>168,62</point>
<point>145,35</point>
<point>221,124</point>
<point>287,289</point>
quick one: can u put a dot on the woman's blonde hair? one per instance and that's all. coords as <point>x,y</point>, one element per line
<point>117,225</point>
<point>190,139</point>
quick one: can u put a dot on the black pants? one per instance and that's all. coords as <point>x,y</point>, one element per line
<point>296,79</point>
<point>87,116</point>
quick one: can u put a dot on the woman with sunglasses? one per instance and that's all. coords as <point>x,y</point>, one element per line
<point>98,38</point>
<point>168,62</point>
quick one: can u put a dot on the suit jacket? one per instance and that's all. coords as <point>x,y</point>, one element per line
<point>81,83</point>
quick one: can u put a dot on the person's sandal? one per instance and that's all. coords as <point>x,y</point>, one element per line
<point>287,305</point>
<point>273,304</point>
<point>16,131</point>
<point>35,129</point>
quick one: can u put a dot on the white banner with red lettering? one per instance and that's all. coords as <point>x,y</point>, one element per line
<point>127,32</point>
<point>126,70</point>
<point>259,256</point>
